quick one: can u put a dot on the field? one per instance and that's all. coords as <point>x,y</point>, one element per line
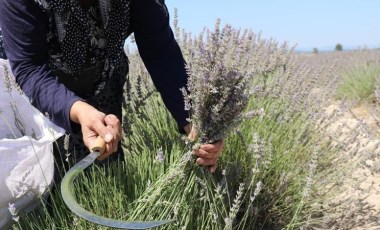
<point>303,154</point>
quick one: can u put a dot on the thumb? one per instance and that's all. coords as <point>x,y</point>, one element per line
<point>101,130</point>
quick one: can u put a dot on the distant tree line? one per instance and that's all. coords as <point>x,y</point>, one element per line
<point>338,47</point>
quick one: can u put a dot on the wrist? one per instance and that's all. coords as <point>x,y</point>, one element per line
<point>78,109</point>
<point>187,128</point>
<point>191,132</point>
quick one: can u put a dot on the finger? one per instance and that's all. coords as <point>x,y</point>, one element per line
<point>203,154</point>
<point>107,152</point>
<point>113,122</point>
<point>212,168</point>
<point>114,132</point>
<point>89,138</point>
<point>115,141</point>
<point>206,162</point>
<point>109,148</point>
<point>101,157</point>
<point>102,114</point>
<point>101,129</point>
<point>213,147</point>
<point>115,147</point>
<point>111,119</point>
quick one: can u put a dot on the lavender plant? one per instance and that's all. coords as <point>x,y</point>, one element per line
<point>227,75</point>
<point>283,165</point>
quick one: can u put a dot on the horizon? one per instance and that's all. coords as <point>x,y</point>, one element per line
<point>306,25</point>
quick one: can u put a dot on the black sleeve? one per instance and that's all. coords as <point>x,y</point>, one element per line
<point>161,54</point>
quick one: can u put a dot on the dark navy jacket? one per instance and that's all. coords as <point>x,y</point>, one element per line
<point>24,27</point>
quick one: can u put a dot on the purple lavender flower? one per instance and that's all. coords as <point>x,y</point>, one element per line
<point>160,157</point>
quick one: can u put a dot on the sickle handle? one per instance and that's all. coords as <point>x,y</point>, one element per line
<point>99,145</point>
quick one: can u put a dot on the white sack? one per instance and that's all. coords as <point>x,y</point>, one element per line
<point>26,144</point>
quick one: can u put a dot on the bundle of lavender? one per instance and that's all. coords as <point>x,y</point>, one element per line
<point>216,96</point>
<point>218,90</point>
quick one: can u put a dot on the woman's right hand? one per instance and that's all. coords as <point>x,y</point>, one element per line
<point>95,123</point>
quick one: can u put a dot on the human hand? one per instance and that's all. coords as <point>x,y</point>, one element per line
<point>207,154</point>
<point>95,123</point>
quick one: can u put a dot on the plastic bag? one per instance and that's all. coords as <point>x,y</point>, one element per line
<point>26,150</point>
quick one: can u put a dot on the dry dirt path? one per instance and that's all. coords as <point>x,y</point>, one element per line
<point>357,132</point>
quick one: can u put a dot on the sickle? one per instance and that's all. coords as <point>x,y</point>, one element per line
<point>69,199</point>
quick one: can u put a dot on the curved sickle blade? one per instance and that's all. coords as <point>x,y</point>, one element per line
<point>69,199</point>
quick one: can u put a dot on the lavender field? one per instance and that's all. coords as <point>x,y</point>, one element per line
<point>302,147</point>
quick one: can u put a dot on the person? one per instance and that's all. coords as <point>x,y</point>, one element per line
<point>2,52</point>
<point>68,58</point>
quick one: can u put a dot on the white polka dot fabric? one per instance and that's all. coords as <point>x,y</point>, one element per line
<point>80,37</point>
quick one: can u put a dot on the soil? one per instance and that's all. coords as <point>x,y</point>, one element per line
<point>357,131</point>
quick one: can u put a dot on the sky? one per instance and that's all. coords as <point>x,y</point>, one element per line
<point>307,24</point>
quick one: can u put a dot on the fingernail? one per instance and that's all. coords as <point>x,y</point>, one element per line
<point>108,137</point>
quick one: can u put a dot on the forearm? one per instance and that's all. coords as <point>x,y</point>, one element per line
<point>161,55</point>
<point>24,28</point>
<point>46,93</point>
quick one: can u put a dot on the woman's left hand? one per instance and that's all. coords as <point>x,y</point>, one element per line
<point>207,154</point>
